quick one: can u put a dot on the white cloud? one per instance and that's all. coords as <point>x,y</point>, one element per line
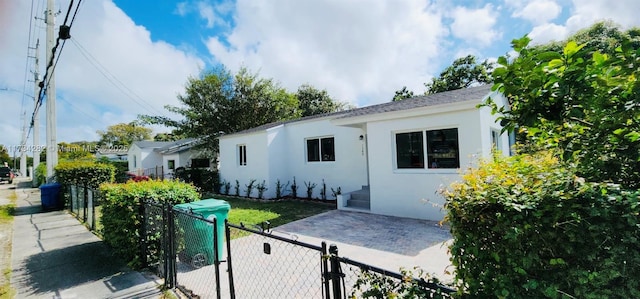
<point>475,26</point>
<point>538,11</point>
<point>149,74</point>
<point>360,51</point>
<point>548,32</point>
<point>623,12</point>
<point>207,13</point>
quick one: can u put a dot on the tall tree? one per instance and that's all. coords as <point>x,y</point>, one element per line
<point>220,102</point>
<point>123,134</point>
<point>462,73</point>
<point>4,155</point>
<point>402,94</point>
<point>313,101</point>
<point>581,99</point>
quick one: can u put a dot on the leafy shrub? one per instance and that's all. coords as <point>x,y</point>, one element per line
<point>310,187</point>
<point>419,285</point>
<point>121,169</point>
<point>528,227</point>
<point>41,173</point>
<point>294,189</point>
<point>204,179</point>
<point>121,218</point>
<point>250,187</point>
<point>280,188</point>
<point>88,173</point>
<point>262,187</point>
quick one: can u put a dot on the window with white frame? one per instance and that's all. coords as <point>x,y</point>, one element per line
<point>495,139</point>
<point>438,147</point>
<point>321,149</point>
<point>242,154</point>
<point>171,164</point>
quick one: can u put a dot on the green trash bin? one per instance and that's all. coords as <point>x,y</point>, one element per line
<point>198,234</point>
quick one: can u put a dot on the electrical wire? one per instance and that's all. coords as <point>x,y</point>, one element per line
<point>114,80</point>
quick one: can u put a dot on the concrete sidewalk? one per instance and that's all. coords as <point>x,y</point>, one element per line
<point>55,256</point>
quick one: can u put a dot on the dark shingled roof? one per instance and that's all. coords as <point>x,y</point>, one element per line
<point>151,144</point>
<point>448,97</point>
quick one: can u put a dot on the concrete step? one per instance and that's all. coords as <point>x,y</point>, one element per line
<point>360,195</point>
<point>359,203</point>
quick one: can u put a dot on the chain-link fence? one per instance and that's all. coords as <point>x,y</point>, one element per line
<point>265,265</point>
<point>362,280</point>
<point>198,256</point>
<point>84,204</point>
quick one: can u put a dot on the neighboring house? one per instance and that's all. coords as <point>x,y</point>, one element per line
<point>165,155</point>
<point>112,154</point>
<point>388,159</point>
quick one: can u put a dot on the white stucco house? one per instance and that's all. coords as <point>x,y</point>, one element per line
<point>145,155</point>
<point>388,159</point>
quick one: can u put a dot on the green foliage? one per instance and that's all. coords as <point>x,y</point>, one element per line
<point>313,101</point>
<point>41,174</point>
<point>4,155</point>
<point>310,186</point>
<point>220,102</point>
<point>121,169</point>
<point>294,189</point>
<point>74,151</point>
<point>85,173</point>
<point>237,188</point>
<point>581,98</point>
<point>373,285</point>
<point>123,134</point>
<point>280,188</point>
<point>206,180</point>
<point>336,192</point>
<point>402,94</point>
<point>527,227</point>
<point>462,73</point>
<point>323,191</point>
<point>249,188</point>
<point>121,217</point>
<point>262,187</point>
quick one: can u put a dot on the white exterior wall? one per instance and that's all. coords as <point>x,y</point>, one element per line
<point>348,171</point>
<point>150,158</point>
<point>134,153</point>
<point>280,154</point>
<point>413,192</point>
<point>257,161</point>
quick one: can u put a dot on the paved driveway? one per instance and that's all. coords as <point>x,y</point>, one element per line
<point>383,241</point>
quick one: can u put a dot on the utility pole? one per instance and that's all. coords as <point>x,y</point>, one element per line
<point>52,145</point>
<point>36,118</point>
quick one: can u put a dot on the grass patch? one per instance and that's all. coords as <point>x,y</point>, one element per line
<point>6,213</point>
<point>250,212</point>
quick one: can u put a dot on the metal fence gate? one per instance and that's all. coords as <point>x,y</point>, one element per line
<point>262,264</point>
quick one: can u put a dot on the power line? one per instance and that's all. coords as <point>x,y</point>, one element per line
<point>114,80</point>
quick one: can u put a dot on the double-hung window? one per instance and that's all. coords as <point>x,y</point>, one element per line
<point>242,155</point>
<point>320,149</point>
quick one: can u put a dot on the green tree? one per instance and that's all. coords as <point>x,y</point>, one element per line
<point>73,151</point>
<point>4,155</point>
<point>581,100</point>
<point>462,73</point>
<point>313,101</point>
<point>220,102</point>
<point>123,134</point>
<point>167,137</point>
<point>402,94</point>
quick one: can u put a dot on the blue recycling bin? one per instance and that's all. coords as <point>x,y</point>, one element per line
<point>50,196</point>
<point>199,234</point>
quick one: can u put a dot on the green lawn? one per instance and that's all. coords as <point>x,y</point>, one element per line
<point>278,212</point>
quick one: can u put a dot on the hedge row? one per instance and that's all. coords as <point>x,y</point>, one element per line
<point>121,217</point>
<point>88,173</point>
<point>528,227</point>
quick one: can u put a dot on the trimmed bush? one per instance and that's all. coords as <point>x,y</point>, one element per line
<point>87,173</point>
<point>528,227</point>
<point>204,179</point>
<point>121,217</point>
<point>41,173</point>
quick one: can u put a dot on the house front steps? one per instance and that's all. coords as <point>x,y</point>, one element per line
<point>357,200</point>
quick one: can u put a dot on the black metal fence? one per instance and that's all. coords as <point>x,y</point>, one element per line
<point>84,203</point>
<point>184,248</point>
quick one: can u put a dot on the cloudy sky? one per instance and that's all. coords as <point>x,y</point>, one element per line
<point>133,57</point>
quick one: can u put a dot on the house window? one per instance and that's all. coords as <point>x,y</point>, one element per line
<point>321,149</point>
<point>442,148</point>
<point>495,139</point>
<point>410,150</point>
<point>135,162</point>
<point>200,163</point>
<point>242,155</point>
<point>171,164</point>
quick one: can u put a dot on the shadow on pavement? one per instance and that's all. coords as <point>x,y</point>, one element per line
<point>72,266</point>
